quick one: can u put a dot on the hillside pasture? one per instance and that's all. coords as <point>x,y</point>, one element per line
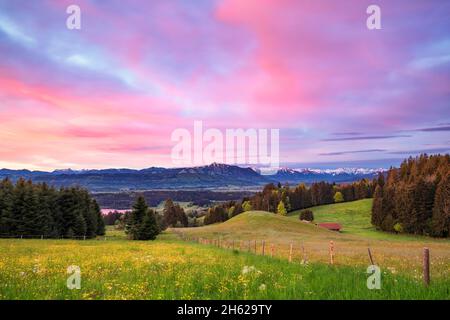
<point>400,253</point>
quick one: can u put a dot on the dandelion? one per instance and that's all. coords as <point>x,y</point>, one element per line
<point>248,269</point>
<point>392,270</point>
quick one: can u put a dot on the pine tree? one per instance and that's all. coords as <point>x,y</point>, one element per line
<point>90,214</point>
<point>6,206</point>
<point>97,213</point>
<point>388,213</point>
<point>46,199</point>
<point>422,206</point>
<point>148,230</point>
<point>377,206</point>
<point>19,207</point>
<point>441,210</point>
<point>136,218</point>
<point>403,206</point>
<point>29,225</point>
<point>78,225</point>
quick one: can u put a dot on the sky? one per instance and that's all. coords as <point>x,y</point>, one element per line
<point>111,93</point>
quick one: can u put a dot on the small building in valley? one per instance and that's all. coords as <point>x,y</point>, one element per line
<point>331,226</point>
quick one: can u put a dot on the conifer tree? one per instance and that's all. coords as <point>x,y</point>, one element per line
<point>98,214</point>
<point>422,206</point>
<point>6,206</point>
<point>46,201</point>
<point>377,206</point>
<point>19,207</point>
<point>148,229</point>
<point>136,218</point>
<point>441,210</point>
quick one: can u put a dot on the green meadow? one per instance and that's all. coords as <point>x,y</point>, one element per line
<point>173,268</point>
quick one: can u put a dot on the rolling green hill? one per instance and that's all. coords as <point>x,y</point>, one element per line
<point>353,216</point>
<point>262,224</point>
<point>355,220</point>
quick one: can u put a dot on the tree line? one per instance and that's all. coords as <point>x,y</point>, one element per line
<point>415,198</point>
<point>283,199</point>
<point>40,210</point>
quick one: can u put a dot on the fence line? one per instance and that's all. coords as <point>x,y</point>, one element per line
<point>331,247</point>
<point>48,237</point>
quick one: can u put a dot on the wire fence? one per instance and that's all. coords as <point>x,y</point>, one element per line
<point>51,237</point>
<point>261,247</point>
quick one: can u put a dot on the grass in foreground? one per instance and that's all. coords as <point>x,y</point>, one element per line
<point>169,269</point>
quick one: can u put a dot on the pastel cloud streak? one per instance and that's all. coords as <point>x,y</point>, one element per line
<point>110,94</point>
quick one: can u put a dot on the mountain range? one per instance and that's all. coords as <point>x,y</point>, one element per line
<point>204,177</point>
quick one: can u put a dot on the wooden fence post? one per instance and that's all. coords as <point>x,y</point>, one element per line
<point>290,253</point>
<point>248,246</point>
<point>305,258</point>
<point>331,252</point>
<point>271,250</point>
<point>426,266</point>
<point>370,256</point>
<point>263,246</point>
<point>255,247</point>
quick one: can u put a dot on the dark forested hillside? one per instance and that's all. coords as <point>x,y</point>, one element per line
<point>124,200</point>
<point>415,198</point>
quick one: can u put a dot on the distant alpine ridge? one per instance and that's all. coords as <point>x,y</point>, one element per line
<point>211,176</point>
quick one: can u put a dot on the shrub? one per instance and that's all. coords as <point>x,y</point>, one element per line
<point>338,197</point>
<point>246,206</point>
<point>306,215</point>
<point>281,209</point>
<point>398,227</point>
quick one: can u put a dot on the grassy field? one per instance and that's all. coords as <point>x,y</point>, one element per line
<point>399,253</point>
<point>355,219</point>
<point>170,268</point>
